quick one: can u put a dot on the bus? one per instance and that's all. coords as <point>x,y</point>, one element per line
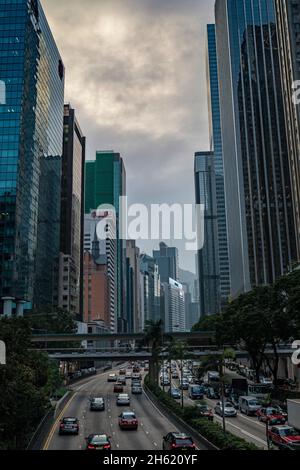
<point>259,390</point>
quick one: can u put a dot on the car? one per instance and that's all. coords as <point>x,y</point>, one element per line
<point>97,404</point>
<point>281,411</point>
<point>136,377</point>
<point>175,375</point>
<point>118,388</point>
<point>249,405</point>
<point>112,378</point>
<point>184,385</point>
<point>229,410</point>
<point>196,392</point>
<point>212,394</point>
<point>121,380</point>
<point>284,435</point>
<point>123,399</point>
<point>136,389</point>
<point>234,399</point>
<point>270,415</point>
<point>205,412</point>
<point>122,372</point>
<point>69,426</point>
<point>136,369</point>
<point>128,420</point>
<point>175,393</point>
<point>146,368</point>
<point>165,381</point>
<point>98,442</point>
<point>128,375</point>
<point>178,441</point>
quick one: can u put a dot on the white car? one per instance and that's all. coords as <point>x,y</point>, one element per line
<point>229,410</point>
<point>266,381</point>
<point>123,399</point>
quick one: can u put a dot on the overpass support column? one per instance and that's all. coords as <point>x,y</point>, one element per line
<point>7,306</point>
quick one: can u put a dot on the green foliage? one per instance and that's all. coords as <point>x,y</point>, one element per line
<point>211,431</point>
<point>26,383</point>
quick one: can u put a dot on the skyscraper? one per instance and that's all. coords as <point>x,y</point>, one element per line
<point>133,276</point>
<point>259,196</point>
<point>174,306</point>
<point>288,21</point>
<point>150,290</point>
<point>167,260</point>
<point>105,183</point>
<point>70,295</point>
<point>31,136</point>
<point>216,147</point>
<point>208,267</point>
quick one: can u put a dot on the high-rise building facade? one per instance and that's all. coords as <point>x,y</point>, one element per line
<point>208,266</point>
<point>100,270</point>
<point>31,136</point>
<point>288,24</point>
<point>133,286</point>
<point>216,147</point>
<point>105,183</point>
<point>259,196</point>
<point>174,306</point>
<point>150,290</point>
<point>70,282</point>
<point>167,259</point>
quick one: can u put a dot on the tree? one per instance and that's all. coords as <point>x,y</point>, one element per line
<point>153,338</point>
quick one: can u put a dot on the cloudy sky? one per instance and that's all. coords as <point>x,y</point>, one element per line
<point>135,72</point>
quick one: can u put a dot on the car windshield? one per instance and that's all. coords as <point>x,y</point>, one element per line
<point>99,439</point>
<point>228,405</point>
<point>128,416</point>
<point>98,400</point>
<point>124,395</point>
<point>254,403</point>
<point>271,411</point>
<point>69,420</point>
<point>288,432</point>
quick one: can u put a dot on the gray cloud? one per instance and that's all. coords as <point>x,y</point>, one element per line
<point>136,75</point>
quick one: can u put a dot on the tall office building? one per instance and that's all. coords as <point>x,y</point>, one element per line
<point>70,281</point>
<point>259,196</point>
<point>288,22</point>
<point>150,290</point>
<point>208,267</point>
<point>100,270</point>
<point>174,306</point>
<point>31,136</point>
<point>216,147</point>
<point>133,286</point>
<point>105,183</point>
<point>167,260</point>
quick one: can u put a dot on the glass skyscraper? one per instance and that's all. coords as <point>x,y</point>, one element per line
<point>208,260</point>
<point>31,136</point>
<point>216,147</point>
<point>259,200</point>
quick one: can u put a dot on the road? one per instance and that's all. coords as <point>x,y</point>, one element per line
<point>153,425</point>
<point>247,427</point>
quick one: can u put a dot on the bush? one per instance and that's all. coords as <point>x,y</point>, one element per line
<point>209,430</point>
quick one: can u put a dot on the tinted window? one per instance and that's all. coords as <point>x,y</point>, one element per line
<point>183,442</point>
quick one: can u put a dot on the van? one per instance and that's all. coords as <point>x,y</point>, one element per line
<point>196,392</point>
<point>249,405</point>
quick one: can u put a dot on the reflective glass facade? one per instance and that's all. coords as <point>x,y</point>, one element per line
<point>208,266</point>
<point>31,126</point>
<point>216,147</point>
<point>259,203</point>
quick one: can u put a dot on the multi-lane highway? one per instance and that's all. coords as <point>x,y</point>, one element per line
<point>153,425</point>
<point>247,427</point>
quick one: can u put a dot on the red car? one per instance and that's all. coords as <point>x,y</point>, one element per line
<point>128,420</point>
<point>118,388</point>
<point>284,435</point>
<point>270,415</point>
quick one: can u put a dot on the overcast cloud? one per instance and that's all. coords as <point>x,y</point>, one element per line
<point>135,72</point>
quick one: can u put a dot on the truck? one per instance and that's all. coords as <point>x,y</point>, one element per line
<point>293,409</point>
<point>213,376</point>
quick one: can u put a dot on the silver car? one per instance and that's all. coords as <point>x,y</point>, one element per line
<point>123,399</point>
<point>97,404</point>
<point>229,410</point>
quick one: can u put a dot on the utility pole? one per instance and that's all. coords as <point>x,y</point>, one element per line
<point>222,397</point>
<point>181,375</point>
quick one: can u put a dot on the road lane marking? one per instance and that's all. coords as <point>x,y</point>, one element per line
<point>53,429</point>
<point>258,439</point>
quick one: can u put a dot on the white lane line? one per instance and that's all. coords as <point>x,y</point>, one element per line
<point>258,439</point>
<point>155,444</point>
<point>252,420</point>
